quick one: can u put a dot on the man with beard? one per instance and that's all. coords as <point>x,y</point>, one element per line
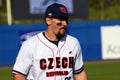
<point>52,54</point>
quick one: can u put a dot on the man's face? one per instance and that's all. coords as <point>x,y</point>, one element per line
<point>58,26</point>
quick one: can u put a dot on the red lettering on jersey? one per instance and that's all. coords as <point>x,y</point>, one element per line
<point>50,60</point>
<point>65,62</point>
<point>71,59</point>
<point>43,64</point>
<point>57,62</point>
<point>56,73</point>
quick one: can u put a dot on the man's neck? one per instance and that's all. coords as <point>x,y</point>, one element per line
<point>51,36</point>
<point>55,42</point>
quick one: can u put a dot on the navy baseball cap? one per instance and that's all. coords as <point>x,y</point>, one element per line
<point>56,10</point>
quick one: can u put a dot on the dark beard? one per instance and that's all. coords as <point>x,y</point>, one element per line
<point>59,36</point>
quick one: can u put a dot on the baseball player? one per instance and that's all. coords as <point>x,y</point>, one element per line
<point>52,54</point>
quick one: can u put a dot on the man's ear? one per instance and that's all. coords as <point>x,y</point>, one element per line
<point>48,21</point>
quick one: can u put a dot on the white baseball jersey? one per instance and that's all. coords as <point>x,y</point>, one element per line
<point>49,61</point>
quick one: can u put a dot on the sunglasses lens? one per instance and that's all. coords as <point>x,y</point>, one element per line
<point>59,24</point>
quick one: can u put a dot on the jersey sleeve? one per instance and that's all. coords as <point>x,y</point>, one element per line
<point>78,64</point>
<point>23,60</point>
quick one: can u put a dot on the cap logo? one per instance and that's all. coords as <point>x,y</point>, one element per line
<point>50,14</point>
<point>63,9</point>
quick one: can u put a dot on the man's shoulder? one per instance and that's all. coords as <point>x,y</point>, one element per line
<point>32,39</point>
<point>71,38</point>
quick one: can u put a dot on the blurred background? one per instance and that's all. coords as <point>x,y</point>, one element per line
<point>85,10</point>
<point>96,24</point>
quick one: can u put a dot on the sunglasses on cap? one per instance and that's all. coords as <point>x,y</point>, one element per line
<point>62,19</point>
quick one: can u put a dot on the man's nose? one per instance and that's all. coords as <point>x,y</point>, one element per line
<point>64,22</point>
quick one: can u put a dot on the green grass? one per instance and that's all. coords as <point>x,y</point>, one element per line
<point>111,12</point>
<point>6,73</point>
<point>97,70</point>
<point>106,70</point>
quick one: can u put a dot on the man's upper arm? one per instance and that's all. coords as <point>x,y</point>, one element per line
<point>18,76</point>
<point>81,76</point>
